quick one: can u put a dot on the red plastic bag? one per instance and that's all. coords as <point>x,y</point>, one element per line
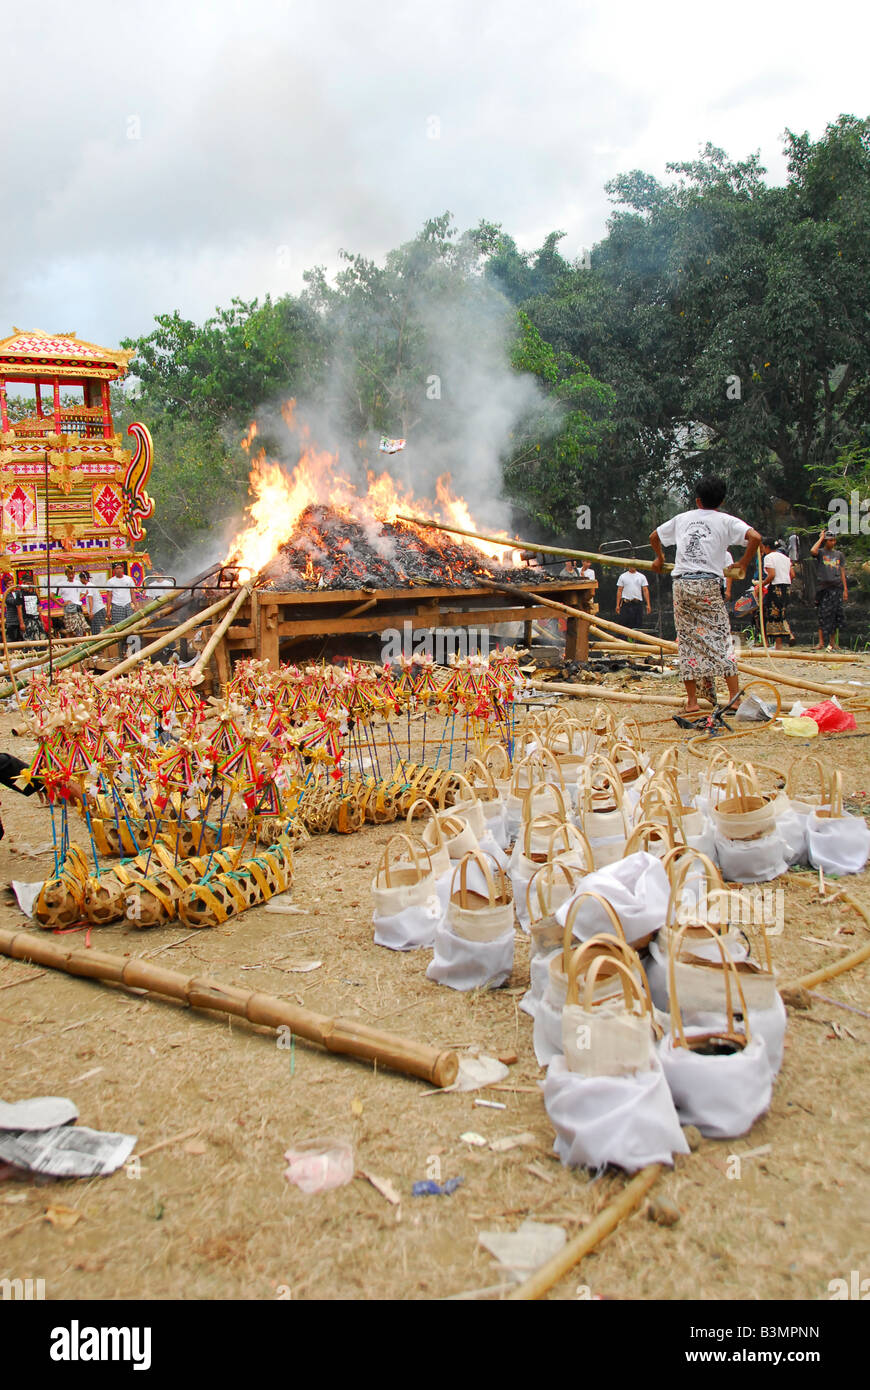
<point>830,718</point>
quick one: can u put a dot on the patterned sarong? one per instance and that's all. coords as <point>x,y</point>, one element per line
<point>703,631</point>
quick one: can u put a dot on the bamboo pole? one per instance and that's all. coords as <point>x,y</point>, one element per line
<point>138,626</point>
<point>600,1226</point>
<point>750,655</point>
<point>603,692</point>
<point>107,638</point>
<point>160,642</point>
<point>662,644</point>
<point>439,1067</point>
<point>616,561</point>
<point>203,659</point>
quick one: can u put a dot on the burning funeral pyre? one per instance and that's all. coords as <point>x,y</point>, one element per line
<point>313,528</point>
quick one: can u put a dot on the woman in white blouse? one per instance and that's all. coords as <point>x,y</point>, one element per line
<point>778,576</point>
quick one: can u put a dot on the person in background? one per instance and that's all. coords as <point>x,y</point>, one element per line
<point>832,589</point>
<point>156,584</point>
<point>23,601</point>
<point>75,624</point>
<point>632,590</point>
<point>14,613</point>
<point>569,570</point>
<point>778,576</point>
<point>120,589</point>
<point>702,538</point>
<point>93,603</point>
<point>588,573</point>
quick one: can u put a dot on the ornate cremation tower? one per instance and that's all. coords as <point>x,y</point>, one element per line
<point>69,492</point>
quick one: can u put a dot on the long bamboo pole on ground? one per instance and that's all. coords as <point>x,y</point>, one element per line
<point>663,644</point>
<point>600,1226</point>
<point>616,561</point>
<point>603,692</point>
<point>159,643</point>
<point>439,1067</point>
<point>205,655</point>
<point>837,967</point>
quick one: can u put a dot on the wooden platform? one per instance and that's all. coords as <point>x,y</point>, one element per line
<point>272,619</point>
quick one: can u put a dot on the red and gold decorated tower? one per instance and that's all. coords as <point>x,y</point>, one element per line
<point>69,492</point>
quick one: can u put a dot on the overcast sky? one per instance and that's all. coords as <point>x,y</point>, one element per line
<point>160,156</point>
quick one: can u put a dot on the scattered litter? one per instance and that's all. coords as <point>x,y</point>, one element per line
<point>61,1216</point>
<point>799,727</point>
<point>754,708</point>
<point>508,1058</point>
<point>538,1172</point>
<point>382,1185</point>
<point>513,1141</point>
<point>42,1112</point>
<point>434,1189</point>
<point>86,1075</point>
<point>477,1072</point>
<point>356,1106</point>
<point>831,717</point>
<point>26,894</point>
<point>69,1151</point>
<point>477,1141</point>
<point>663,1212</point>
<point>525,1249</point>
<point>492,1104</point>
<point>304,966</point>
<point>317,1165</point>
<point>282,903</point>
<point>194,1146</point>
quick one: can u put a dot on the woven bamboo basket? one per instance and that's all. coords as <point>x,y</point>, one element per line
<point>60,899</point>
<point>225,895</point>
<point>549,887</point>
<point>475,916</point>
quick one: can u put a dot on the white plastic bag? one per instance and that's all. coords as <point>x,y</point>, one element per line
<point>720,1078</point>
<point>751,861</point>
<point>464,964</point>
<point>722,1096</point>
<point>837,842</point>
<point>638,890</point>
<point>628,1121</point>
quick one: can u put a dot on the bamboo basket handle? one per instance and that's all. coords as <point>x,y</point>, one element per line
<point>432,821</point>
<point>628,729</point>
<point>414,846</point>
<point>728,894</point>
<point>542,823</point>
<point>571,915</point>
<point>462,870</point>
<point>542,879</point>
<point>501,752</point>
<point>627,748</point>
<point>836,791</point>
<point>649,830</point>
<point>750,774</point>
<point>676,944</point>
<point>606,763</point>
<point>572,974</point>
<point>442,790</point>
<point>791,780</point>
<point>473,766</point>
<point>668,760</point>
<point>536,790</point>
<point>575,840</point>
<point>631,991</point>
<point>677,871</point>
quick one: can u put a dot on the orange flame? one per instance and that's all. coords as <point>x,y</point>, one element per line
<point>280,498</point>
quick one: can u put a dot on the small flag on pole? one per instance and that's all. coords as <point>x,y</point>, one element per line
<point>391,446</point>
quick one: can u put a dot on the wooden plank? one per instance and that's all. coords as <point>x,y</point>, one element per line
<point>326,627</point>
<point>268,644</point>
<point>416,593</point>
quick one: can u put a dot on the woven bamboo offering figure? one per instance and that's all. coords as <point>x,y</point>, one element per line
<point>220,896</point>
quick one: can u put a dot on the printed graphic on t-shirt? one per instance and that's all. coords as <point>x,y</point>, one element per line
<point>696,541</point>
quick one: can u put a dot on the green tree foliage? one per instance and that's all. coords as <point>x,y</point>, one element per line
<point>553,468</point>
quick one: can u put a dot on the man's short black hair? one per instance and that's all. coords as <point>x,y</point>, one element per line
<point>769,542</point>
<point>711,491</point>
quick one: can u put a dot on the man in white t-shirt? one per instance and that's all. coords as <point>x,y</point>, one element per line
<point>702,538</point>
<point>632,590</point>
<point>120,589</point>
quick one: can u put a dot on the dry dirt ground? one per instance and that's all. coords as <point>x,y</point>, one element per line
<point>211,1215</point>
